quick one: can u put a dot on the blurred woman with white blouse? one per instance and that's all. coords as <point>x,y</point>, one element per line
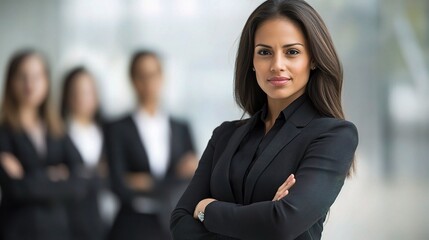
<point>80,110</point>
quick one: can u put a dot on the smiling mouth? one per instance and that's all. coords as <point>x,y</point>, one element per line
<point>279,81</point>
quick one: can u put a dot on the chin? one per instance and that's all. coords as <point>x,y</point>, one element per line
<point>280,94</point>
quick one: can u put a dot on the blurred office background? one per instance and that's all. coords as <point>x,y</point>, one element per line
<point>383,45</point>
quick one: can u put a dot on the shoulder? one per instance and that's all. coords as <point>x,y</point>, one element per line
<point>333,127</point>
<point>6,128</point>
<point>117,127</point>
<point>119,123</point>
<point>8,134</point>
<point>328,123</point>
<point>4,137</point>
<point>178,123</point>
<point>227,128</point>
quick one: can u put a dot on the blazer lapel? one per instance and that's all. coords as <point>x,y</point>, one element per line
<point>292,127</point>
<point>134,134</point>
<point>173,156</point>
<point>32,147</point>
<point>224,161</point>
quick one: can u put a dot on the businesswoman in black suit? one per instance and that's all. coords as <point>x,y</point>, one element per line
<point>80,110</point>
<point>39,170</point>
<point>288,79</point>
<point>151,156</point>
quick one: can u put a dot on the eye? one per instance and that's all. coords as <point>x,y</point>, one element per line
<point>264,52</point>
<point>292,52</point>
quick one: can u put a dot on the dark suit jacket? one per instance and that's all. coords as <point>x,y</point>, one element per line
<point>34,207</point>
<point>84,212</point>
<point>126,154</point>
<point>318,150</point>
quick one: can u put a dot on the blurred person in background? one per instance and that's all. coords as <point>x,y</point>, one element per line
<point>276,174</point>
<point>151,155</point>
<point>81,113</point>
<point>39,169</point>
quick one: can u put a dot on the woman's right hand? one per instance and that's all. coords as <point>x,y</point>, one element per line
<point>58,172</point>
<point>140,181</point>
<point>11,165</point>
<point>283,190</point>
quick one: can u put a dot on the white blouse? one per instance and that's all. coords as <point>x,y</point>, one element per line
<point>88,140</point>
<point>37,138</point>
<point>154,130</point>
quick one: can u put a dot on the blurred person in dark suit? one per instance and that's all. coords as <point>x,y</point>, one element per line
<point>151,155</point>
<point>39,169</point>
<point>81,113</point>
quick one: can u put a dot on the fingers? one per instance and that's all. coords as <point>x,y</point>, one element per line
<point>288,183</point>
<point>283,190</point>
<point>282,195</point>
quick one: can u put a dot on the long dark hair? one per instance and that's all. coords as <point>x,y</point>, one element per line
<point>70,79</point>
<point>9,107</point>
<point>325,82</point>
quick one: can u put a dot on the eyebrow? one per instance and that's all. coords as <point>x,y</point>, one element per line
<point>284,46</point>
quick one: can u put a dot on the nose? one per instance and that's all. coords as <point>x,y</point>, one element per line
<point>28,83</point>
<point>278,63</point>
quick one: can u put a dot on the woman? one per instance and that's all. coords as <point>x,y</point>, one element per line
<point>151,156</point>
<point>38,168</point>
<point>80,110</point>
<point>288,79</point>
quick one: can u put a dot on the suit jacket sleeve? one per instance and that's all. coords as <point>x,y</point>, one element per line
<point>183,225</point>
<point>320,176</point>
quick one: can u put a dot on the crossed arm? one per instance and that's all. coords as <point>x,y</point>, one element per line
<point>59,181</point>
<point>282,192</point>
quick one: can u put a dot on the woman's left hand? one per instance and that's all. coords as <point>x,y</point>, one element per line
<point>201,206</point>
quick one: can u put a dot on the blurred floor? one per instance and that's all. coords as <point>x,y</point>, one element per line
<point>371,208</point>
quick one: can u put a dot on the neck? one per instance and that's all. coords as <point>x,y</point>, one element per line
<point>275,107</point>
<point>29,117</point>
<point>151,107</point>
<point>82,120</point>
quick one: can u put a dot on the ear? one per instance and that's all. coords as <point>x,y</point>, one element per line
<point>312,65</point>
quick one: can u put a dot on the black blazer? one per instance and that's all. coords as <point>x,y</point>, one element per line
<point>126,154</point>
<point>84,212</point>
<point>34,207</point>
<point>318,150</point>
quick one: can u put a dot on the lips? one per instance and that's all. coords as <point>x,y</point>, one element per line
<point>279,81</point>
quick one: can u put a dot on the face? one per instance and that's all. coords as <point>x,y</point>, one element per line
<point>148,78</point>
<point>30,84</point>
<point>83,98</point>
<point>281,59</point>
